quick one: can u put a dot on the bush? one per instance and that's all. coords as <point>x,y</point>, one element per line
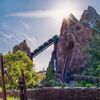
<point>85,84</point>
<point>55,83</point>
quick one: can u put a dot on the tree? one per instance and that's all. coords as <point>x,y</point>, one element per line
<point>16,62</point>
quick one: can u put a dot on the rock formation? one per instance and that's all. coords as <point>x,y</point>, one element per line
<point>90,17</point>
<point>74,36</point>
<point>22,47</point>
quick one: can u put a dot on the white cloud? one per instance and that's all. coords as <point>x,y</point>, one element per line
<point>27,26</point>
<point>33,14</point>
<point>20,36</point>
<point>19,40</point>
<point>5,35</point>
<point>27,37</point>
<point>24,36</point>
<point>54,13</point>
<point>32,42</point>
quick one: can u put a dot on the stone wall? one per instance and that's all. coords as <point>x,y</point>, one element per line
<point>63,94</point>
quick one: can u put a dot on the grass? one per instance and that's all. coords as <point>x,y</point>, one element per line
<point>0,88</point>
<point>11,98</point>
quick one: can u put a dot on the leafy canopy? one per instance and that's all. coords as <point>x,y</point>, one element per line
<point>16,62</point>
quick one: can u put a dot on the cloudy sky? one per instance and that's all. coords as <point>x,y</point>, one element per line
<point>36,21</point>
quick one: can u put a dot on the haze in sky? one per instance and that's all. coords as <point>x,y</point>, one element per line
<point>36,21</point>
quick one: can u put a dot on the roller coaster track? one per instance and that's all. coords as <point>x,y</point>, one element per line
<point>44,46</point>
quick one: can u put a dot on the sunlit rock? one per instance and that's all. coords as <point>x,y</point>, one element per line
<point>74,36</point>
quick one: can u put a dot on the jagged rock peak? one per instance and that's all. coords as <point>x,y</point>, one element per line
<point>91,9</point>
<point>68,22</point>
<point>89,17</point>
<point>22,47</point>
<point>72,17</point>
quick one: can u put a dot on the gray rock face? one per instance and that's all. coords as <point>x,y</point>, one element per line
<point>74,36</point>
<point>90,17</point>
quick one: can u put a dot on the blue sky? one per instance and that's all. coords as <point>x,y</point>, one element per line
<point>36,21</point>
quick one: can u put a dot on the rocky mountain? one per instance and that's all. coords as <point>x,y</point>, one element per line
<point>74,36</point>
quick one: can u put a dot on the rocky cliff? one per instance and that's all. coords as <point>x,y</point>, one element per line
<point>74,35</point>
<point>22,47</point>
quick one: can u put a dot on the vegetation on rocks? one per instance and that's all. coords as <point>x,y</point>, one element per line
<point>51,79</point>
<point>93,63</point>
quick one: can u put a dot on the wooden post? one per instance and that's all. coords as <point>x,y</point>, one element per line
<point>21,89</point>
<point>24,85</point>
<point>2,77</point>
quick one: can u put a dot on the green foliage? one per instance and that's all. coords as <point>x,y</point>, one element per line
<point>0,89</point>
<point>94,51</point>
<point>92,71</point>
<point>39,78</point>
<point>94,48</point>
<point>51,78</point>
<point>55,83</point>
<point>84,84</point>
<point>0,53</point>
<point>50,74</point>
<point>16,62</point>
<point>12,98</point>
<point>94,59</point>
